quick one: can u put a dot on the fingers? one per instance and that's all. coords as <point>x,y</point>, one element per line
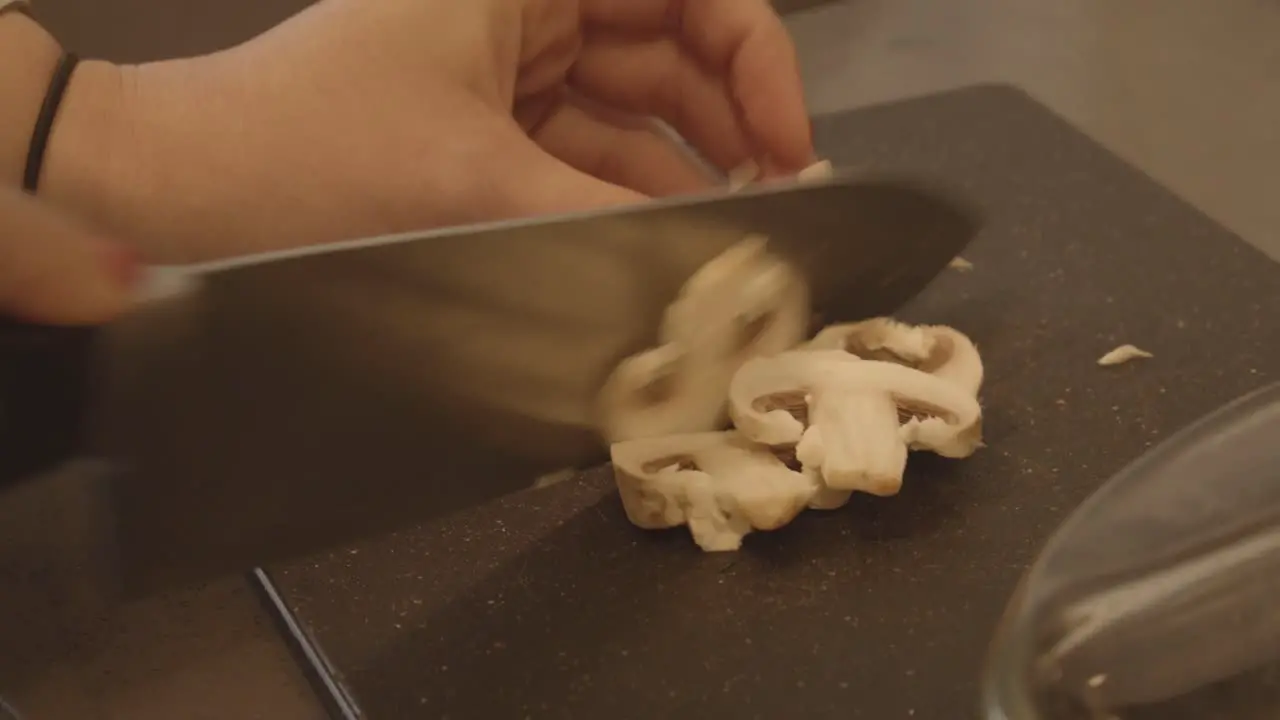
<point>746,43</point>
<point>659,77</point>
<point>53,272</point>
<point>602,145</point>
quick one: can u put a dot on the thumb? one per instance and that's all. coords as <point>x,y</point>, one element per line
<point>52,271</point>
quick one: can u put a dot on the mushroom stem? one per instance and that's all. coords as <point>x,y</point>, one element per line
<point>757,392</point>
<point>853,440</point>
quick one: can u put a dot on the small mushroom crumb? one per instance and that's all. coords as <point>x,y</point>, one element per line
<point>554,478</point>
<point>1122,355</point>
<point>820,170</point>
<point>751,171</point>
<point>743,175</point>
<point>959,263</point>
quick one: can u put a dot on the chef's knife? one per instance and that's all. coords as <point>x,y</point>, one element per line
<point>268,405</point>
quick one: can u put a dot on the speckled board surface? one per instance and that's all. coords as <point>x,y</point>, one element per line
<point>550,605</point>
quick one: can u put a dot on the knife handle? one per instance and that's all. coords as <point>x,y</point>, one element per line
<point>44,393</point>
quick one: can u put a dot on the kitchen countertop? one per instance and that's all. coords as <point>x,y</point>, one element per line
<point>550,605</point>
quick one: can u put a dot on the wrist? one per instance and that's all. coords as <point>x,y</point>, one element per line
<point>28,55</point>
<point>87,169</point>
<point>153,154</point>
<point>124,160</point>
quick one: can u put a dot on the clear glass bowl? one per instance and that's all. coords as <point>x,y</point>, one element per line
<point>1160,596</point>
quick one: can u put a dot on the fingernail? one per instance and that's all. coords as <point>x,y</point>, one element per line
<point>121,264</point>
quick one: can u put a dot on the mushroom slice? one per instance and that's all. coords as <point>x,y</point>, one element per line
<point>744,303</point>
<point>717,483</point>
<point>854,437</point>
<point>939,350</point>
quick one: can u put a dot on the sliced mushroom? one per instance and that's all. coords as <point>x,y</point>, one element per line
<point>743,304</point>
<point>718,483</point>
<point>939,350</point>
<point>854,437</point>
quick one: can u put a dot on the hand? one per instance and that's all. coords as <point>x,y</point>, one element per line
<point>360,117</point>
<point>53,272</point>
<point>721,72</point>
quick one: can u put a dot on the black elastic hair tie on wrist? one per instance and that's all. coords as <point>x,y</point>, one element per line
<point>44,122</point>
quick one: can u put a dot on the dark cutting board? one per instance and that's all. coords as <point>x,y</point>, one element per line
<point>550,605</point>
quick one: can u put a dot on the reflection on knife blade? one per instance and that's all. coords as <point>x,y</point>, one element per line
<point>387,381</point>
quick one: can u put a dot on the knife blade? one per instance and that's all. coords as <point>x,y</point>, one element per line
<point>269,405</point>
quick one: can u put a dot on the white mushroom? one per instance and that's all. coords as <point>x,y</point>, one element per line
<point>744,303</point>
<point>849,405</point>
<point>939,350</point>
<point>850,412</point>
<point>717,483</point>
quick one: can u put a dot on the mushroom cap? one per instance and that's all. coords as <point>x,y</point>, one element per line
<point>878,339</point>
<point>939,350</point>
